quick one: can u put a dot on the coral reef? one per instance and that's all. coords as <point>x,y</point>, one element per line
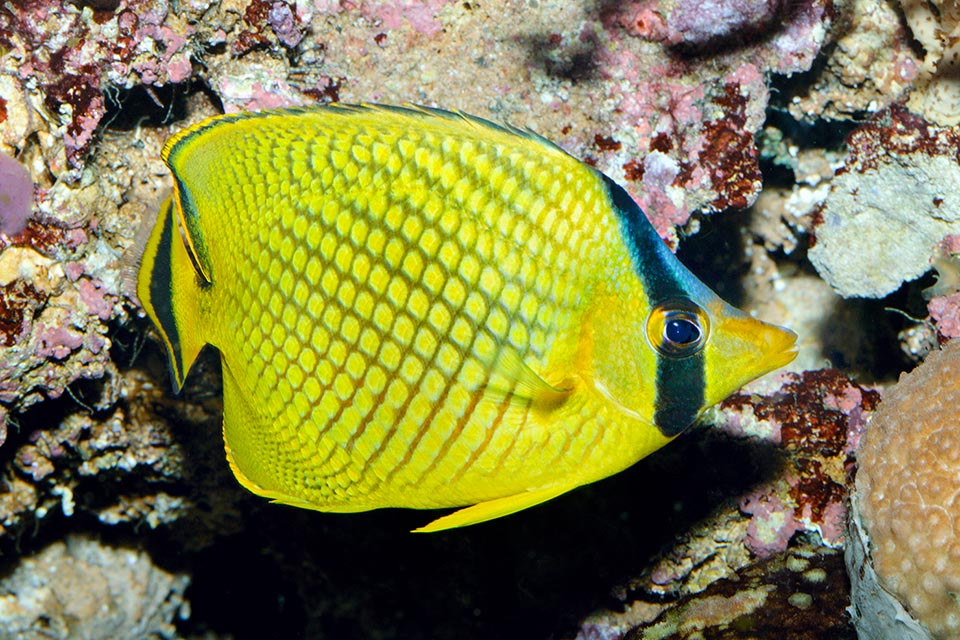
<point>82,588</point>
<point>869,65</point>
<point>67,56</point>
<point>905,491</point>
<point>802,430</point>
<point>817,418</point>
<point>697,107</point>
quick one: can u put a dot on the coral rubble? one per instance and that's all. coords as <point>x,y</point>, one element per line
<point>793,594</point>
<point>82,588</point>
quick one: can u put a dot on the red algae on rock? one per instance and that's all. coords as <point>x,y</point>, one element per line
<point>816,417</point>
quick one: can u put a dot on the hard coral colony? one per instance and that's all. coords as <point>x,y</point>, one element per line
<point>905,521</point>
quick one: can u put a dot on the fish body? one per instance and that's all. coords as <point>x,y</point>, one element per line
<point>417,308</point>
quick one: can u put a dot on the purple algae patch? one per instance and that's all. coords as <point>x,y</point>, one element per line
<point>16,196</point>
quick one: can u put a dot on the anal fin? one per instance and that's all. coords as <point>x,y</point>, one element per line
<point>492,509</point>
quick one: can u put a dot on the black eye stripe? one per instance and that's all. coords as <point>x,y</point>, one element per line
<point>680,382</point>
<point>678,330</point>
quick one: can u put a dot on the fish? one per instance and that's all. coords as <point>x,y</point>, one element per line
<point>424,309</point>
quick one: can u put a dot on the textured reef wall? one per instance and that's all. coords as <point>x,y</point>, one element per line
<point>802,155</point>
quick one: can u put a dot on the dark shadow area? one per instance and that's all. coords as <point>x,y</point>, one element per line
<point>151,106</point>
<point>715,254</point>
<point>818,134</point>
<point>861,335</point>
<point>299,574</point>
<point>143,105</point>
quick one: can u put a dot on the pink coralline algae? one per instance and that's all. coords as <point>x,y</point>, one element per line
<point>16,196</point>
<point>944,295</point>
<point>699,135</point>
<point>282,19</point>
<point>772,524</point>
<point>419,14</point>
<point>945,314</point>
<point>285,24</point>
<point>52,327</point>
<point>794,28</point>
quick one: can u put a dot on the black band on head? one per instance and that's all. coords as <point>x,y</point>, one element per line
<point>681,381</point>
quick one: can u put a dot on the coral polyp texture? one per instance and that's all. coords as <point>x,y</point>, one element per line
<point>906,489</point>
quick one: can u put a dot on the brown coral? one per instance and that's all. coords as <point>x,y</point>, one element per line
<point>908,484</point>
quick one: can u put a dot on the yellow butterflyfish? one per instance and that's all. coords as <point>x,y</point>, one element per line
<point>423,309</point>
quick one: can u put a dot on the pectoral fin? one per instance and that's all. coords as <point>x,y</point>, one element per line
<point>513,378</point>
<point>493,509</point>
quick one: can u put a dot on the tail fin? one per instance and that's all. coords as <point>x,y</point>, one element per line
<point>168,286</point>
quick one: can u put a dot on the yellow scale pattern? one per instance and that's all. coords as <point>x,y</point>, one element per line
<point>377,315</point>
<point>416,308</point>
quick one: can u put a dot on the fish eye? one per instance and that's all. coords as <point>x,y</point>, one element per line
<point>677,328</point>
<point>681,331</point>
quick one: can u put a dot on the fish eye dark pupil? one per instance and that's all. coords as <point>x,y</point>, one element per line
<point>681,331</point>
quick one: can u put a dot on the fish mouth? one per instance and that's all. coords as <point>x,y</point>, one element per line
<point>781,346</point>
